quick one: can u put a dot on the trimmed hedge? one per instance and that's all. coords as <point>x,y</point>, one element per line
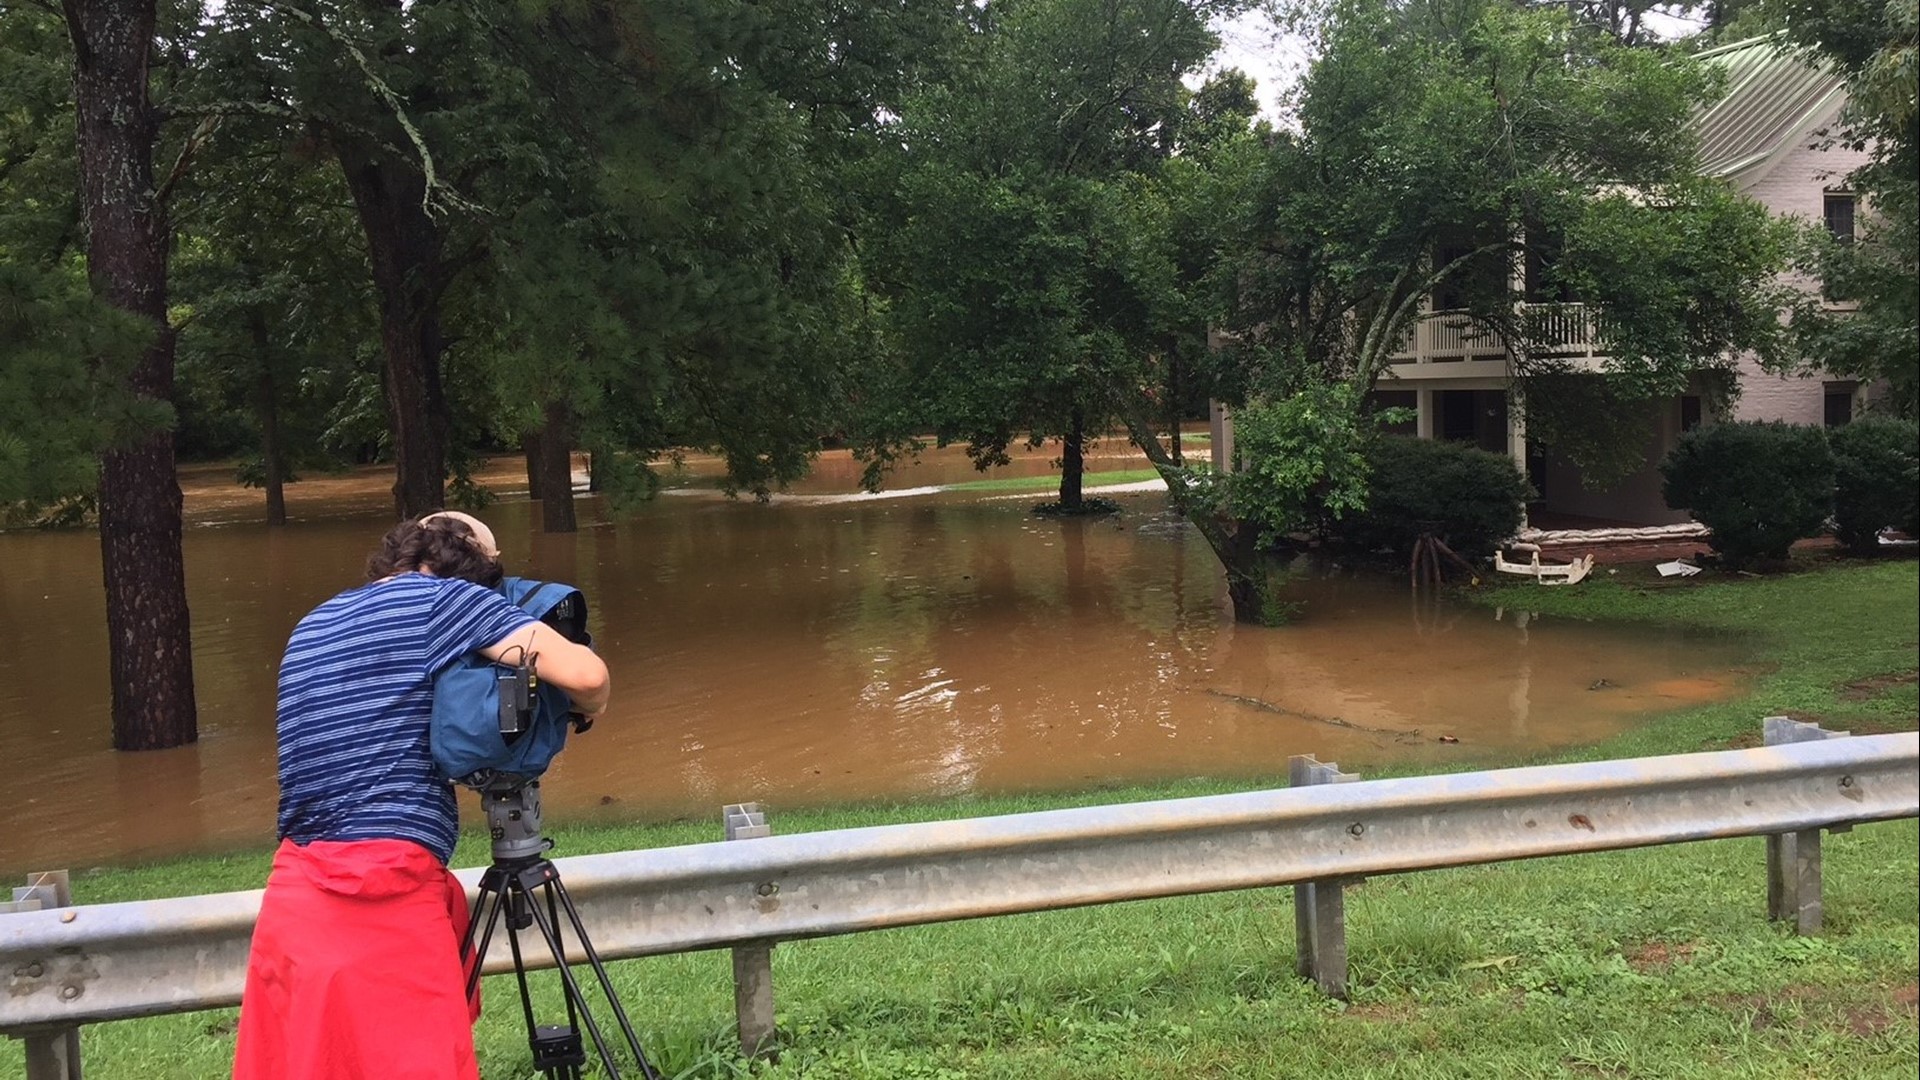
<point>1469,498</point>
<point>1876,480</point>
<point>1758,486</point>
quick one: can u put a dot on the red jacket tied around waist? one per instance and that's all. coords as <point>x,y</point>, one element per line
<point>355,970</point>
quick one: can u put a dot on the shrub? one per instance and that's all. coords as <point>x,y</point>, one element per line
<point>1758,486</point>
<point>1471,499</point>
<point>1876,480</point>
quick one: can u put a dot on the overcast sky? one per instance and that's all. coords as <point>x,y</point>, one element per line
<point>1254,45</point>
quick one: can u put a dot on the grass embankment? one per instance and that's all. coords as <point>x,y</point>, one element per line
<point>1088,481</point>
<point>1653,963</point>
<point>1008,484</point>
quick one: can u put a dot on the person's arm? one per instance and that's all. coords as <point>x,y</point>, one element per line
<point>573,668</point>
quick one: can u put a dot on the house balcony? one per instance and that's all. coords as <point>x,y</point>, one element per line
<point>1449,344</point>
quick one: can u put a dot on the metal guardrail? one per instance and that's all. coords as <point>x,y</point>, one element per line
<point>114,961</point>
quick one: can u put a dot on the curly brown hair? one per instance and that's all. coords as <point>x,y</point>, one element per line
<point>443,547</point>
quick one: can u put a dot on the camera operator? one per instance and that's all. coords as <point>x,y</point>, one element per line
<point>355,970</point>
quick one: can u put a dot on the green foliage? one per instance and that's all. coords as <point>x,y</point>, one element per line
<point>618,217</point>
<point>1030,236</point>
<point>1876,469</point>
<point>64,357</point>
<point>1468,498</point>
<point>1758,486</point>
<point>1443,149</point>
<point>270,290</point>
<point>1681,271</point>
<point>1302,459</point>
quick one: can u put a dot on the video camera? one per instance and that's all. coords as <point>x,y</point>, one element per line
<point>497,723</point>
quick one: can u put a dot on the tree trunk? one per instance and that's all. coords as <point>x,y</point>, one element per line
<point>404,247</point>
<point>149,644</point>
<point>1073,464</point>
<point>1234,543</point>
<point>1247,576</point>
<point>530,450</point>
<point>267,409</point>
<point>556,469</point>
<point>1176,399</point>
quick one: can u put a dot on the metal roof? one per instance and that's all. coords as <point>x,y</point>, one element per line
<point>1774,97</point>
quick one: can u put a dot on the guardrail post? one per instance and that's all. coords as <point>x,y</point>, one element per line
<point>1793,859</point>
<point>752,964</point>
<point>52,1054</point>
<point>1320,907</point>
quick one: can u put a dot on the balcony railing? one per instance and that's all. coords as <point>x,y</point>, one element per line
<point>1570,331</point>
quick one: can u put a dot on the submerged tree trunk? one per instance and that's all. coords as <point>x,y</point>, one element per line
<point>267,410</point>
<point>530,450</point>
<point>1236,544</point>
<point>404,247</point>
<point>1176,399</point>
<point>149,648</point>
<point>1073,464</point>
<point>556,467</point>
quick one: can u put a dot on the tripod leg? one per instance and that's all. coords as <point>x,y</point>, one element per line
<point>520,974</point>
<point>548,931</point>
<point>559,887</point>
<point>553,916</point>
<point>478,954</point>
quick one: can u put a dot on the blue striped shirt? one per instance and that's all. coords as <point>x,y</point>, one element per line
<point>356,700</point>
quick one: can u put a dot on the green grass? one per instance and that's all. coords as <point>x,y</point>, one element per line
<point>1649,963</point>
<point>1052,482</point>
<point>1837,639</point>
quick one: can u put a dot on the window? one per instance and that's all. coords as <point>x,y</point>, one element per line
<point>1450,292</point>
<point>1689,412</point>
<point>1481,278</point>
<point>1381,400</point>
<point>1477,417</point>
<point>1840,217</point>
<point>1839,404</point>
<point>1544,250</point>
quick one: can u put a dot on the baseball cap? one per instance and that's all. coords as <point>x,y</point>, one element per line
<point>482,536</point>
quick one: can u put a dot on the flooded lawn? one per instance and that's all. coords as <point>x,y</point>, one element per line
<point>807,651</point>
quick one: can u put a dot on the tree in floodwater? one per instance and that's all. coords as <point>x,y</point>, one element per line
<point>270,288</point>
<point>674,279</point>
<point>1015,218</point>
<point>599,196</point>
<point>74,357</point>
<point>398,96</point>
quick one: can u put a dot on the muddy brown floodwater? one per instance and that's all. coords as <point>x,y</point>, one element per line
<point>815,651</point>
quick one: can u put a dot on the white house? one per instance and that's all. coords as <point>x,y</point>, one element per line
<point>1769,137</point>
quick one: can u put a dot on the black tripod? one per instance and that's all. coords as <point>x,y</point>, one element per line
<point>525,885</point>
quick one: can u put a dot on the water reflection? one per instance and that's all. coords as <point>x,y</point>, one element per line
<point>799,653</point>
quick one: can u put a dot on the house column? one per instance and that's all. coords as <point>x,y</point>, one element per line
<point>1517,435</point>
<point>1220,428</point>
<point>1423,404</point>
<point>1517,442</point>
